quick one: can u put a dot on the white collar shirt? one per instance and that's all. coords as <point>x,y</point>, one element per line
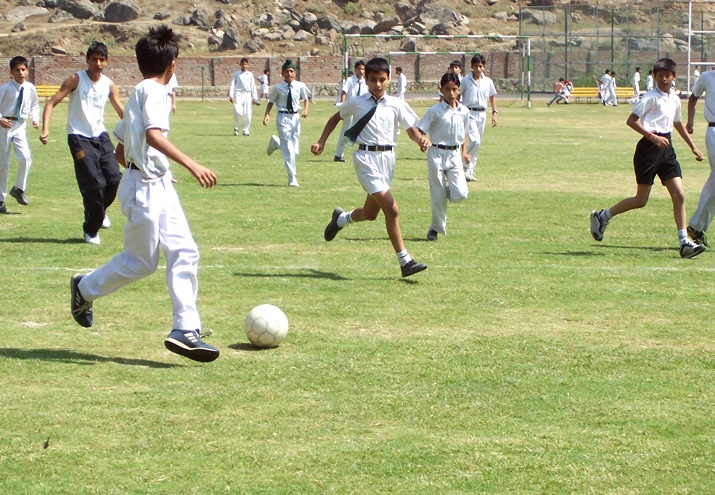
<point>29,107</point>
<point>445,125</point>
<point>355,87</point>
<point>279,95</point>
<point>390,112</point>
<point>658,111</point>
<point>476,93</point>
<point>706,84</point>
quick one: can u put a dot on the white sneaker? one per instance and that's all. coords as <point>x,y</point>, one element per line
<point>106,223</point>
<point>688,249</point>
<point>294,183</point>
<point>235,132</point>
<point>598,225</point>
<point>92,240</point>
<point>273,145</point>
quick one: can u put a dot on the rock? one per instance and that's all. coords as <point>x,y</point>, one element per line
<point>404,9</point>
<point>301,35</point>
<point>19,14</point>
<point>409,46</point>
<point>540,17</point>
<point>231,40</point>
<point>60,16</point>
<point>386,24</point>
<point>79,9</point>
<point>213,40</point>
<point>18,28</point>
<point>328,23</point>
<point>367,27</point>
<point>58,50</point>
<point>500,16</point>
<point>182,20</point>
<point>314,52</point>
<point>273,36</point>
<point>121,11</point>
<point>349,27</point>
<point>254,45</point>
<point>162,14</point>
<point>309,23</point>
<point>200,18</point>
<point>322,40</point>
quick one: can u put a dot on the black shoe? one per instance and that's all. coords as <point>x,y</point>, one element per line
<point>338,159</point>
<point>19,195</point>
<point>188,343</point>
<point>81,308</point>
<point>432,235</point>
<point>332,229</point>
<point>3,208</point>
<point>698,236</point>
<point>412,267</point>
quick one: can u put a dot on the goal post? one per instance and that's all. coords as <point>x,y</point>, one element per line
<point>521,81</point>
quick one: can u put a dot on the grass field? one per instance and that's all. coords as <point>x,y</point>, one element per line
<point>528,359</point>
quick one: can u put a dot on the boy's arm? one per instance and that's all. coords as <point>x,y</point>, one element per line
<point>692,102</point>
<point>69,85</point>
<point>119,155</point>
<point>330,126</point>
<point>158,141</point>
<point>267,116</point>
<point>35,109</point>
<point>493,104</point>
<point>678,126</point>
<point>634,123</point>
<point>114,99</point>
<point>419,138</point>
<point>306,105</point>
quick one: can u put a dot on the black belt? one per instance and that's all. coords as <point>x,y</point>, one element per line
<point>711,124</point>
<point>445,147</point>
<point>133,167</point>
<point>370,147</point>
<point>11,118</point>
<point>477,109</point>
<point>286,111</point>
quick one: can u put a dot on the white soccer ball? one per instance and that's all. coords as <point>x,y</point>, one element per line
<point>266,326</point>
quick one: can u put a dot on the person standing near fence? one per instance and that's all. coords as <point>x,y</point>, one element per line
<point>478,92</point>
<point>243,94</point>
<point>636,82</point>
<point>355,85</point>
<point>401,83</point>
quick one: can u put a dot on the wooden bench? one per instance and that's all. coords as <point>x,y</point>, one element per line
<point>46,91</point>
<point>588,93</point>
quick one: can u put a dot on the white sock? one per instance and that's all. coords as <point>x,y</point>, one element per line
<point>607,214</point>
<point>345,218</point>
<point>682,236</point>
<point>404,257</point>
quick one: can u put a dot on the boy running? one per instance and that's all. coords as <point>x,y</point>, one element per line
<point>654,117</point>
<point>374,161</point>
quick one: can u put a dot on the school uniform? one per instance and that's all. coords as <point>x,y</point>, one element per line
<point>263,79</point>
<point>243,91</point>
<point>447,129</point>
<point>353,87</point>
<point>288,122</point>
<point>401,86</point>
<point>475,96</point>
<point>155,220</point>
<point>706,204</point>
<point>17,103</point>
<point>374,159</point>
<point>608,86</point>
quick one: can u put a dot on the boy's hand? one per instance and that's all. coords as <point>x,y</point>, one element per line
<point>204,175</point>
<point>424,144</point>
<point>35,124</point>
<point>698,154</point>
<point>466,158</point>
<point>317,148</point>
<point>266,118</point>
<point>5,123</point>
<point>43,136</point>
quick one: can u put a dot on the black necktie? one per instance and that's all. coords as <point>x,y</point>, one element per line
<point>352,133</point>
<point>358,89</point>
<point>18,102</point>
<point>289,104</point>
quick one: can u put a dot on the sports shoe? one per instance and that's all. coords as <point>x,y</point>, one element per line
<point>469,177</point>
<point>332,229</point>
<point>431,235</point>
<point>19,195</point>
<point>698,236</point>
<point>294,183</point>
<point>81,308</point>
<point>188,343</point>
<point>235,132</point>
<point>92,239</point>
<point>106,223</point>
<point>598,225</point>
<point>246,133</point>
<point>273,145</point>
<point>411,268</point>
<point>3,208</point>
<point>338,159</point>
<point>689,249</point>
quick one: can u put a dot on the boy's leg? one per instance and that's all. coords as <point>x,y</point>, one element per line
<point>110,170</point>
<point>382,201</point>
<point>677,196</point>
<point>24,159</point>
<point>340,148</point>
<point>247,113</point>
<point>437,191</point>
<point>703,215</point>
<point>4,162</point>
<point>634,202</point>
<point>285,128</point>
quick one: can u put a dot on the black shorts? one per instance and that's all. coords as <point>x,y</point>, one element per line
<point>649,160</point>
<point>94,164</point>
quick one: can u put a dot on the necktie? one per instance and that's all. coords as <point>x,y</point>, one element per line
<point>358,89</point>
<point>18,103</point>
<point>352,133</point>
<point>289,104</point>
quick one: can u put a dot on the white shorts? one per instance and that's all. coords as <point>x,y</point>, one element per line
<point>374,169</point>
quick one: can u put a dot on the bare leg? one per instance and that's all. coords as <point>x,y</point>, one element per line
<point>382,201</point>
<point>677,195</point>
<point>634,202</point>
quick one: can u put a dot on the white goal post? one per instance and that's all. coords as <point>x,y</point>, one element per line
<point>524,53</point>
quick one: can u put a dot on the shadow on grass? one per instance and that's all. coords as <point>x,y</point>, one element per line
<point>253,184</point>
<point>44,240</point>
<point>311,274</point>
<point>67,356</point>
<point>249,347</point>
<point>607,246</point>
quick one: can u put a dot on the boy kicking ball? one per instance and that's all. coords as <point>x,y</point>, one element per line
<point>375,115</point>
<point>654,117</point>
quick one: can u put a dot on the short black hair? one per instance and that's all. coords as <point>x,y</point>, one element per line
<point>156,51</point>
<point>477,58</point>
<point>449,77</point>
<point>665,64</point>
<point>99,48</point>
<point>243,59</point>
<point>18,60</point>
<point>359,63</point>
<point>455,63</point>
<point>399,69</point>
<point>377,64</point>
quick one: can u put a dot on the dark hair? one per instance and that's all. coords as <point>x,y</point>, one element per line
<point>19,60</point>
<point>664,64</point>
<point>243,59</point>
<point>455,63</point>
<point>359,63</point>
<point>637,69</point>
<point>449,77</point>
<point>398,69</point>
<point>377,64</point>
<point>156,50</point>
<point>99,48</point>
<point>265,71</point>
<point>478,58</point>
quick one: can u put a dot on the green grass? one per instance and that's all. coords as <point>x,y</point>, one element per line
<point>528,359</point>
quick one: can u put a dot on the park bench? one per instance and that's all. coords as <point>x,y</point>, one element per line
<point>588,93</point>
<point>46,91</point>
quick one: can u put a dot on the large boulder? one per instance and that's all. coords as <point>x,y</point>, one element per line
<point>386,24</point>
<point>79,9</point>
<point>121,11</point>
<point>231,40</point>
<point>200,18</point>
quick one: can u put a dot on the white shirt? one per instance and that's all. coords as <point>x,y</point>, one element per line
<point>476,93</point>
<point>658,111</point>
<point>444,124</point>
<point>242,82</point>
<point>401,84</point>
<point>85,112</point>
<point>355,87</point>
<point>706,84</point>
<point>607,81</point>
<point>148,107</point>
<point>636,78</point>
<point>649,82</point>
<point>172,84</point>
<point>279,95</point>
<point>29,107</point>
<point>381,127</point>
<point>263,79</point>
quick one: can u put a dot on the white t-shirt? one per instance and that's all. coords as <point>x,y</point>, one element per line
<point>658,111</point>
<point>85,112</point>
<point>444,124</point>
<point>476,93</point>
<point>148,107</point>
<point>381,127</point>
<point>706,84</point>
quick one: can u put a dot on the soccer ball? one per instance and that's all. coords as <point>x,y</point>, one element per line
<point>266,326</point>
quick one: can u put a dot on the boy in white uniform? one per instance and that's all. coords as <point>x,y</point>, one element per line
<point>95,167</point>
<point>635,83</point>
<point>242,93</point>
<point>375,115</point>
<point>700,221</point>
<point>265,81</point>
<point>659,112</point>
<point>18,101</point>
<point>355,85</point>
<point>287,96</point>
<point>446,123</point>
<point>155,219</point>
<point>477,89</point>
<point>401,84</point>
<point>171,87</point>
